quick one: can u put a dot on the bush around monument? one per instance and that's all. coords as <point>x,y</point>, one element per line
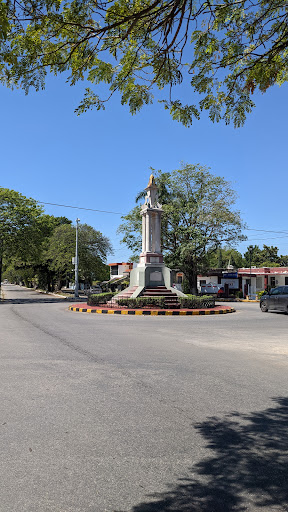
<point>196,302</point>
<point>189,302</point>
<point>140,302</point>
<point>99,298</point>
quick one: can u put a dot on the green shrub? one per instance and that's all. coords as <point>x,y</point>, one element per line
<point>259,294</point>
<point>99,298</point>
<point>140,302</point>
<point>239,294</point>
<point>189,302</point>
<point>195,302</point>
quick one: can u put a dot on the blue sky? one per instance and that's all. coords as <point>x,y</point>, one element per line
<point>101,159</point>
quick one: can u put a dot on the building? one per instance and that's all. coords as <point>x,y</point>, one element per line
<point>119,275</point>
<point>248,280</point>
<point>120,269</point>
<point>254,280</point>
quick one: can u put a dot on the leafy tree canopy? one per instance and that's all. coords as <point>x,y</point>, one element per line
<point>35,247</point>
<point>93,250</point>
<point>198,216</point>
<point>225,256</point>
<point>19,218</point>
<point>225,50</point>
<point>24,235</point>
<point>20,230</point>
<point>266,257</point>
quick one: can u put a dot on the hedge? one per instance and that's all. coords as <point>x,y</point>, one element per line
<point>189,302</point>
<point>99,298</point>
<point>196,302</point>
<point>140,302</point>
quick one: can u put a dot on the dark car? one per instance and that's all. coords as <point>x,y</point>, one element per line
<point>276,299</point>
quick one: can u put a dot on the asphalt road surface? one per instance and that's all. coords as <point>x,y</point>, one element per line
<point>141,414</point>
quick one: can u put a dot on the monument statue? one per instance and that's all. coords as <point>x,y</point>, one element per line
<point>150,274</point>
<point>151,212</point>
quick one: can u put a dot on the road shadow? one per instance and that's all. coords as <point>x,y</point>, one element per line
<point>33,297</point>
<point>40,300</point>
<point>248,468</point>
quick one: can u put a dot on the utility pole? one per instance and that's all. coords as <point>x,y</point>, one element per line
<point>250,254</point>
<point>76,263</point>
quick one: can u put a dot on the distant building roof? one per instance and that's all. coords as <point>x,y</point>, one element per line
<point>263,270</point>
<point>123,263</point>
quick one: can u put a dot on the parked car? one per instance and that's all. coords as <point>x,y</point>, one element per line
<point>276,299</point>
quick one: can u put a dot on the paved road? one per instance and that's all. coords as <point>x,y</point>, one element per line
<point>141,414</point>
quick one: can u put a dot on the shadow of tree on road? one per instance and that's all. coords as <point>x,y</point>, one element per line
<point>248,469</point>
<point>40,300</point>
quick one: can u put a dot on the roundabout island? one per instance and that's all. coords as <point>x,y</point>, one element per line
<point>85,308</point>
<point>150,291</point>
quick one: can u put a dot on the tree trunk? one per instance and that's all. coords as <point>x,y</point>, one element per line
<point>191,276</point>
<point>193,283</point>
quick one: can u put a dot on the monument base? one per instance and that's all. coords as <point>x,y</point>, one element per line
<point>151,257</point>
<point>148,275</point>
<point>151,277</point>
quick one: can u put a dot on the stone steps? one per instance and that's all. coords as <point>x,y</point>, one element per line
<point>171,298</point>
<point>160,291</point>
<point>126,294</point>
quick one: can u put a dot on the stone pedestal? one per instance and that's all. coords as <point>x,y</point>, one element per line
<point>151,271</point>
<point>150,275</point>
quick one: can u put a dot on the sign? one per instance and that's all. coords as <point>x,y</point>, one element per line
<point>230,275</point>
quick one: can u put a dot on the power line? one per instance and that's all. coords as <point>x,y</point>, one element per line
<point>265,230</point>
<point>81,208</point>
<point>121,213</point>
<point>270,238</point>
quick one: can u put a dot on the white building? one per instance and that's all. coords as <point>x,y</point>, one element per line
<point>254,280</point>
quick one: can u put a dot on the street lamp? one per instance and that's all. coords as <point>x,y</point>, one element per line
<point>250,254</point>
<point>76,263</point>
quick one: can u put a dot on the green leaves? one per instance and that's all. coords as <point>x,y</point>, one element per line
<point>19,227</point>
<point>39,247</point>
<point>4,21</point>
<point>266,257</point>
<point>89,101</point>
<point>93,250</point>
<point>182,113</point>
<point>198,216</point>
<point>226,50</point>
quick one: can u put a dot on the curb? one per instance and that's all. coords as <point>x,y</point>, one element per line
<point>153,312</point>
<point>237,300</point>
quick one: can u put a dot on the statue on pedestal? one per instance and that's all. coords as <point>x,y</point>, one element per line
<point>151,276</point>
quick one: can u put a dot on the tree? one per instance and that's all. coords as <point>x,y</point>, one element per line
<point>283,260</point>
<point>266,257</point>
<point>198,216</point>
<point>224,50</point>
<point>20,226</point>
<point>226,256</point>
<point>93,250</point>
<point>32,269</point>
